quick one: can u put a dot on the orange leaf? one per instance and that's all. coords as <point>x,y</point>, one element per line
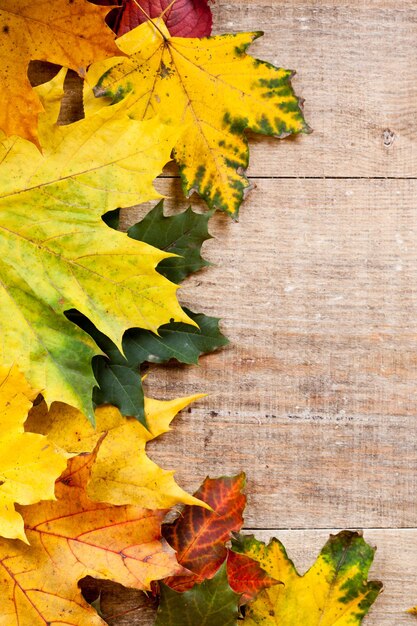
<point>70,539</point>
<point>67,32</point>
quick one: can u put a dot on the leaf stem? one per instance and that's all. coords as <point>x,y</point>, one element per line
<point>167,8</point>
<point>148,17</point>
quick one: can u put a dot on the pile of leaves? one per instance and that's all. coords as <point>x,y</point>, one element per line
<point>85,308</point>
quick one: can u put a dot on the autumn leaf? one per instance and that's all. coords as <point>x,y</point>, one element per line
<point>182,234</point>
<point>246,577</point>
<point>211,87</point>
<point>334,591</point>
<point>58,254</point>
<point>199,536</point>
<point>184,18</point>
<point>122,472</point>
<point>29,463</point>
<point>70,33</point>
<point>211,603</point>
<point>117,373</point>
<point>178,341</point>
<point>70,539</point>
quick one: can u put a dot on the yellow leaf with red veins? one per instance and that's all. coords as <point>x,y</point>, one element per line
<point>71,538</point>
<point>122,472</point>
<point>72,33</point>
<point>29,462</point>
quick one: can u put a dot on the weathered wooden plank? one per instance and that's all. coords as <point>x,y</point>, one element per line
<point>315,397</point>
<point>395,565</point>
<point>357,72</point>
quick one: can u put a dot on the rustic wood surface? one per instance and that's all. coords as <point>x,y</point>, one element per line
<point>317,287</point>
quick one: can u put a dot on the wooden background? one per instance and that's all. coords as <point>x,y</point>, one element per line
<point>317,287</point>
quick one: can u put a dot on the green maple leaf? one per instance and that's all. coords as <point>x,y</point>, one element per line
<point>213,603</point>
<point>58,254</point>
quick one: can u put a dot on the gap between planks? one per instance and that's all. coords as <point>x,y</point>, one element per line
<point>162,177</point>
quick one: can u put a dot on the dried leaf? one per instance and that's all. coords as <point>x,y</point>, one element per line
<point>122,472</point>
<point>246,577</point>
<point>333,592</point>
<point>199,536</point>
<point>184,18</point>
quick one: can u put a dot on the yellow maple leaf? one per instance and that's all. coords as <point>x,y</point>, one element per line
<point>67,33</point>
<point>334,592</point>
<point>29,462</point>
<point>72,538</point>
<point>213,87</point>
<point>56,253</point>
<point>122,472</point>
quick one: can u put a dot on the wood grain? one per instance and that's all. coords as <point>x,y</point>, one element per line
<point>356,69</point>
<point>315,397</point>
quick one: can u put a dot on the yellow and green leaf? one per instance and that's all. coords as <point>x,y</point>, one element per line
<point>210,87</point>
<point>58,254</point>
<point>334,592</point>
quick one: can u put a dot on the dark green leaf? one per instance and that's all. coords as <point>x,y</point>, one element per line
<point>178,341</point>
<point>118,376</point>
<point>112,219</point>
<point>181,234</point>
<point>119,385</point>
<point>213,603</point>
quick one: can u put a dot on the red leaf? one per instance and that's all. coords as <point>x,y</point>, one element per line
<point>199,536</point>
<point>186,18</point>
<point>246,576</point>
